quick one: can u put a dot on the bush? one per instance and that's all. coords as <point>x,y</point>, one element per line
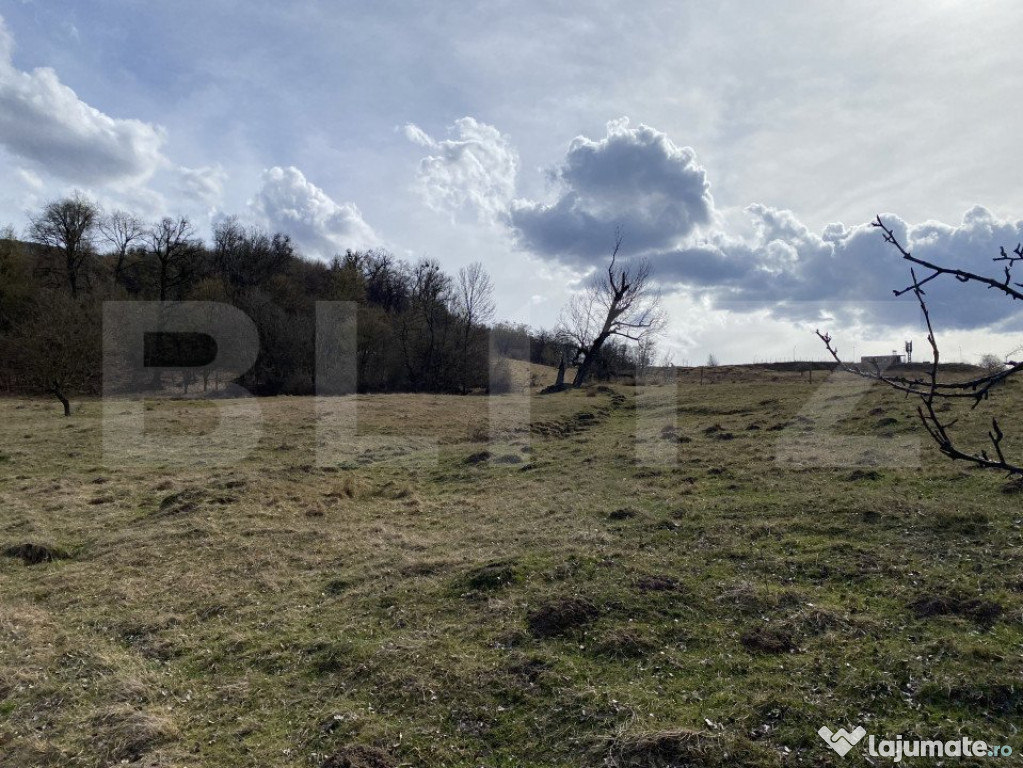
<point>992,363</point>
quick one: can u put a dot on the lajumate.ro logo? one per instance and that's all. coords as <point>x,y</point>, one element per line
<point>843,741</point>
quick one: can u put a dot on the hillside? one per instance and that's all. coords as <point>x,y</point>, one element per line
<point>621,577</point>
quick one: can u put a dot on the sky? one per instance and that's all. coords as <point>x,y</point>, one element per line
<point>742,148</point>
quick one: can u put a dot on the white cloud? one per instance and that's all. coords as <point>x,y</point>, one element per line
<point>636,179</point>
<point>639,180</point>
<point>30,179</point>
<point>320,227</point>
<point>44,122</point>
<point>849,274</point>
<point>417,135</point>
<point>205,184</point>
<point>475,170</point>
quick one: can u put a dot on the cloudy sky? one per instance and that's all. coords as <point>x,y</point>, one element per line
<point>741,147</point>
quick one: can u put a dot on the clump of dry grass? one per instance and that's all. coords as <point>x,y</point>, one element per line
<point>122,733</point>
<point>664,749</point>
<point>623,643</point>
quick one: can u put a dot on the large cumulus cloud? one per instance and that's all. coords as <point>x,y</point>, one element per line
<point>849,273</point>
<point>45,123</point>
<point>319,226</point>
<point>636,179</point>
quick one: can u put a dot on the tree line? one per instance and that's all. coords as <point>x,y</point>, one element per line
<point>419,329</point>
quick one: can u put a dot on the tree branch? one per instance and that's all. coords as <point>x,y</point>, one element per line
<point>929,389</point>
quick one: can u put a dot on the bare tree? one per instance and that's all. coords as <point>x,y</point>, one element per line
<point>247,258</point>
<point>121,229</point>
<point>424,330</point>
<point>173,246</point>
<point>68,225</point>
<point>620,302</point>
<point>474,297</point>
<point>473,305</point>
<point>929,389</point>
<point>646,352</point>
<point>173,253</point>
<point>992,363</point>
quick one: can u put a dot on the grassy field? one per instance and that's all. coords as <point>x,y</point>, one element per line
<point>656,577</point>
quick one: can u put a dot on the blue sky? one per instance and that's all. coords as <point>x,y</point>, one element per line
<point>740,146</point>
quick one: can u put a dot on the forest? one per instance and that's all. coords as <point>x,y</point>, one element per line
<point>419,328</point>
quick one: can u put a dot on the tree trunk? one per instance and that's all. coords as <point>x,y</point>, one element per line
<point>63,399</point>
<point>583,371</point>
<point>72,276</point>
<point>591,354</point>
<point>163,279</point>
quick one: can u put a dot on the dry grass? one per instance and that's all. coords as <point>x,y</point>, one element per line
<point>287,611</point>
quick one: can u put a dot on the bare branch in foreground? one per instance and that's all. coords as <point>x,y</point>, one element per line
<point>928,388</point>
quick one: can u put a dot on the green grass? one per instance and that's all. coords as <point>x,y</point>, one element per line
<point>575,607</point>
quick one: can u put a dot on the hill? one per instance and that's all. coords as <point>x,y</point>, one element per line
<point>616,576</point>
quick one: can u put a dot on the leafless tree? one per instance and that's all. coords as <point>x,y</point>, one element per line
<point>646,352</point>
<point>172,253</point>
<point>620,302</point>
<point>426,330</point>
<point>992,363</point>
<point>474,295</point>
<point>473,306</point>
<point>930,389</point>
<point>173,246</point>
<point>247,258</point>
<point>121,229</point>
<point>68,226</point>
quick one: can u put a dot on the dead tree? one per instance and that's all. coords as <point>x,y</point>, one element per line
<point>620,302</point>
<point>930,391</point>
